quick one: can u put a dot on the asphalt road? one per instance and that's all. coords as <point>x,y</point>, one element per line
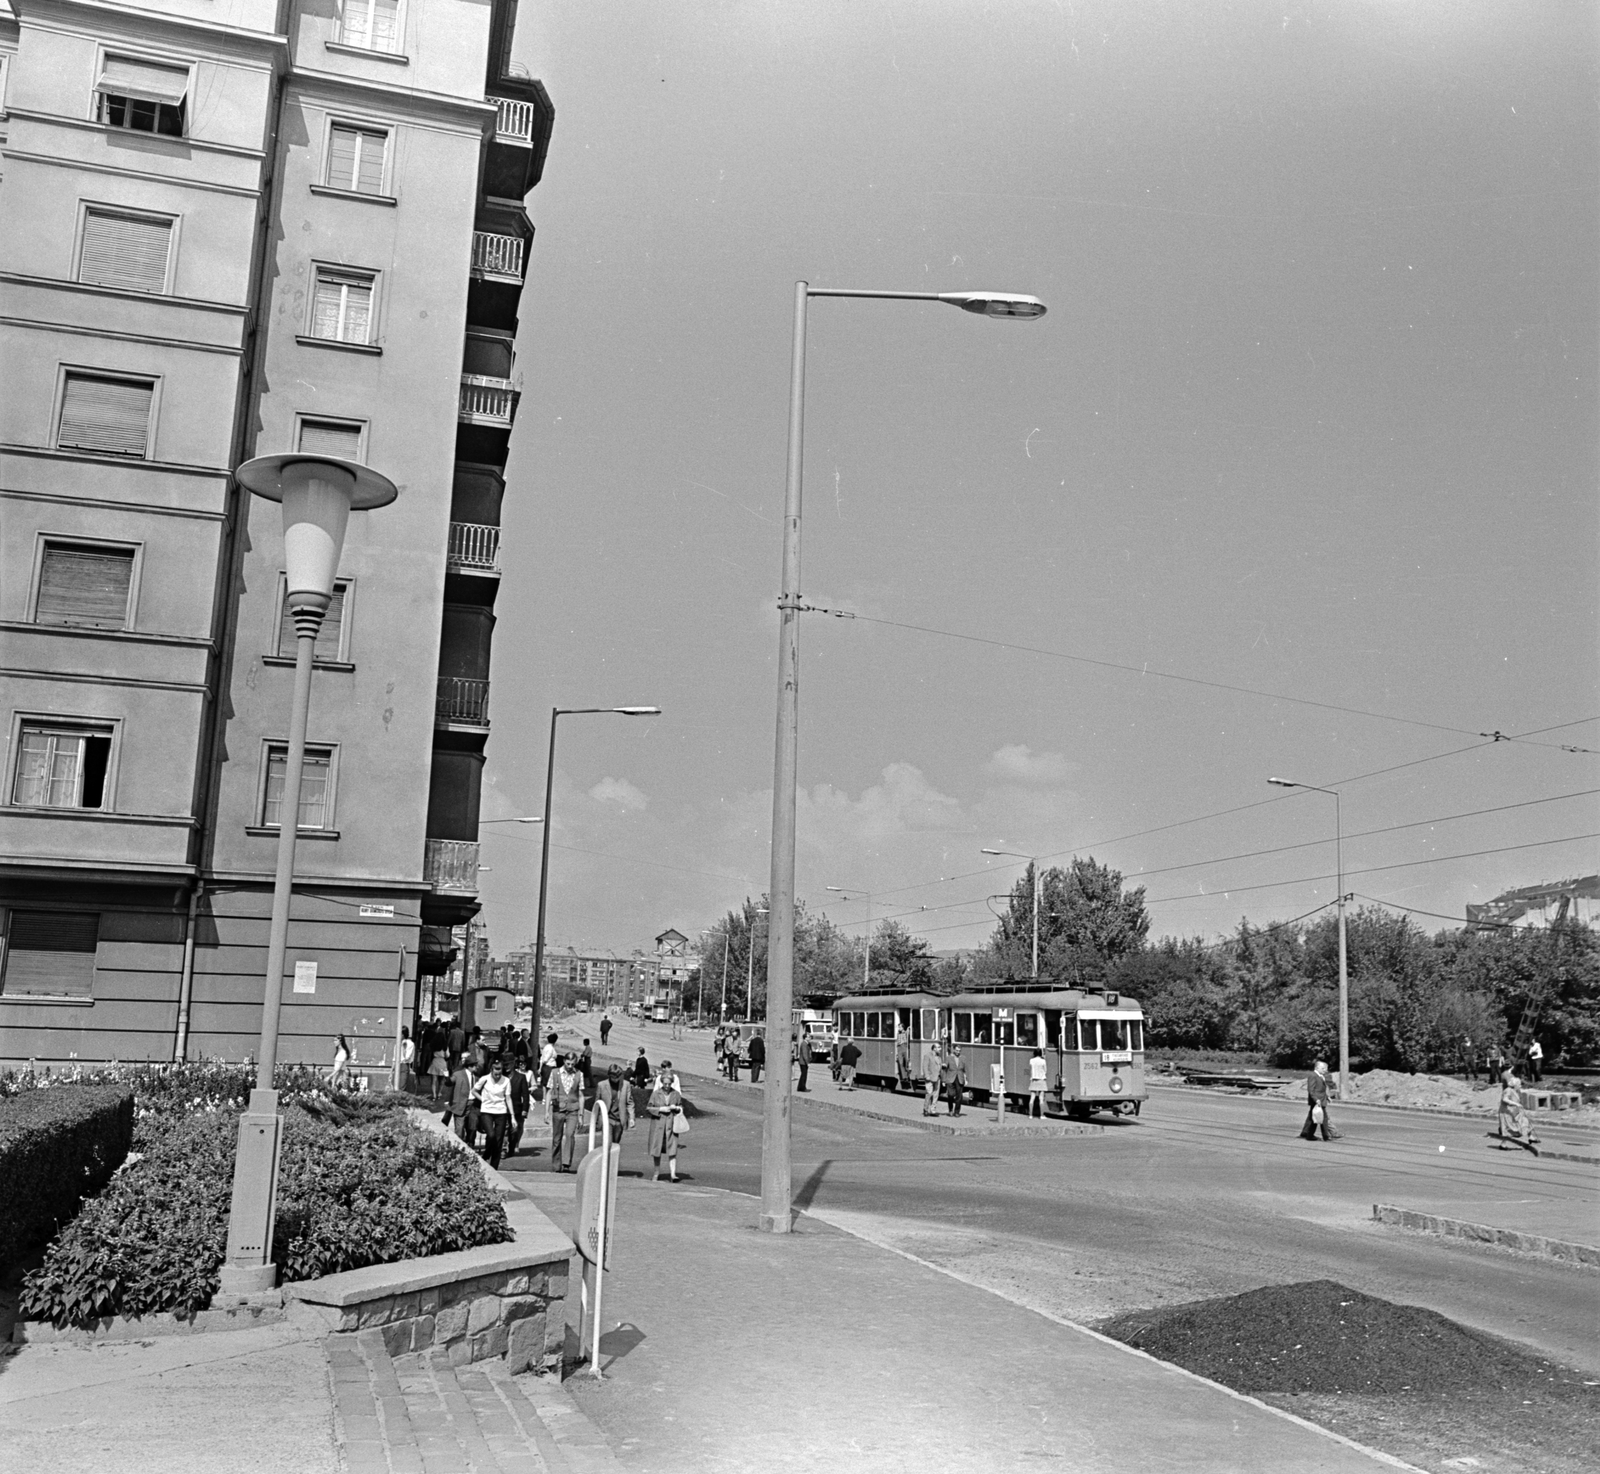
<point>1200,1196</point>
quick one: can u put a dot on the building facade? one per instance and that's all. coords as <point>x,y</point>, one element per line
<point>232,231</point>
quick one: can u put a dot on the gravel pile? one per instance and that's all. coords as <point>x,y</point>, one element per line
<point>1322,1337</point>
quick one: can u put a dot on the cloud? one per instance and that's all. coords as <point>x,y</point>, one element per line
<point>1018,763</point>
<point>620,792</point>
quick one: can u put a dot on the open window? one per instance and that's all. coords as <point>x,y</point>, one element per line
<point>61,765</point>
<point>141,95</point>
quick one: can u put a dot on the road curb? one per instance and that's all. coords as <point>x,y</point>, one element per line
<point>1482,1233</point>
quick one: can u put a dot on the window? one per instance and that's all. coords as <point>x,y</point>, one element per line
<point>1028,1030</point>
<point>84,585</point>
<point>963,1028</point>
<point>61,766</point>
<point>50,954</point>
<point>1113,1034</point>
<point>341,306</point>
<point>355,158</point>
<point>316,787</point>
<point>858,1026</point>
<point>1088,1033</point>
<point>1136,1035</point>
<point>372,24</point>
<point>142,95</point>
<point>105,414</point>
<point>125,250</point>
<point>1005,1031</point>
<point>330,638</point>
<point>340,438</point>
<point>982,1029</point>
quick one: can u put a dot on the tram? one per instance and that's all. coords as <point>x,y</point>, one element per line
<point>1093,1041</point>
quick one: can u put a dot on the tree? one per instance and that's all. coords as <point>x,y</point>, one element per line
<point>826,963</point>
<point>1086,923</point>
<point>900,960</point>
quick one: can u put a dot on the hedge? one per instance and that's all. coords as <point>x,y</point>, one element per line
<point>57,1147</point>
<point>348,1195</point>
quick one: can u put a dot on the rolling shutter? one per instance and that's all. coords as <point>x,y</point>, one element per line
<point>105,414</point>
<point>355,158</point>
<point>126,76</point>
<point>85,586</point>
<point>125,251</point>
<point>328,637</point>
<point>51,954</point>
<point>325,438</point>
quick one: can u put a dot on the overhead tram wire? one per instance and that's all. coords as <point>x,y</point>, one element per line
<point>1166,675</point>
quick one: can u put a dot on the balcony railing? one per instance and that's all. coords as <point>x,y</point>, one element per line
<point>487,401</point>
<point>515,123</point>
<point>497,255</point>
<point>474,546</point>
<point>451,864</point>
<point>461,701</point>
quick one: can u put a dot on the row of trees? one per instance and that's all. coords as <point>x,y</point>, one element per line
<point>1415,999</point>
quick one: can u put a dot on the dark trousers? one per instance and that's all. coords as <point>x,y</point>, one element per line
<point>563,1138</point>
<point>755,1073</point>
<point>953,1095</point>
<point>494,1125</point>
<point>1308,1132</point>
<point>805,1066</point>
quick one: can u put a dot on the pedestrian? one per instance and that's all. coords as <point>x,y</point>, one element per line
<point>1317,1104</point>
<point>586,1069</point>
<point>663,1108</point>
<point>462,1110</point>
<point>953,1076</point>
<point>730,1053</point>
<point>719,1044</point>
<point>834,1066</point>
<point>1469,1061</point>
<point>1515,1126</point>
<point>1535,1061</point>
<point>566,1102</point>
<point>438,1068</point>
<point>798,1052</point>
<point>641,1069</point>
<point>340,1077</point>
<point>1038,1078</point>
<point>521,1103</point>
<point>408,1058</point>
<point>931,1065</point>
<point>493,1094</point>
<point>902,1057</point>
<point>605,1029</point>
<point>847,1064</point>
<point>758,1057</point>
<point>479,1049</point>
<point>455,1044</point>
<point>616,1095</point>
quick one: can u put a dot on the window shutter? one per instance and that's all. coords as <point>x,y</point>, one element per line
<point>342,143</point>
<point>125,251</point>
<point>51,953</point>
<point>369,173</point>
<point>355,158</point>
<point>87,586</point>
<point>328,637</point>
<point>124,76</point>
<point>323,438</point>
<point>105,414</point>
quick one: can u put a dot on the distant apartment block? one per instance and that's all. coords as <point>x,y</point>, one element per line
<point>225,232</point>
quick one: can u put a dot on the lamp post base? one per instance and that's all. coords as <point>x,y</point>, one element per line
<point>776,1223</point>
<point>245,1281</point>
<point>248,1269</point>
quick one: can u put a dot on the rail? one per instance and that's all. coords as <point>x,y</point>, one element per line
<point>462,700</point>
<point>451,864</point>
<point>487,401</point>
<point>497,255</point>
<point>473,545</point>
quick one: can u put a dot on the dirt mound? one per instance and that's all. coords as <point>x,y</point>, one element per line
<point>1390,1087</point>
<point>1322,1337</point>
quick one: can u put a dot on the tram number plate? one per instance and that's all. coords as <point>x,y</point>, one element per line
<point>1117,1057</point>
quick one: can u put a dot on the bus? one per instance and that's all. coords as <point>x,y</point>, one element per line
<point>816,1029</point>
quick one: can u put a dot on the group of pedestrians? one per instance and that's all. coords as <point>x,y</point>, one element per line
<point>732,1052</point>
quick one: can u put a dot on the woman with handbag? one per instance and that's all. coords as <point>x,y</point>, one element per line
<point>667,1122</point>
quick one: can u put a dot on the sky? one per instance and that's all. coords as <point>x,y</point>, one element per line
<point>1297,477</point>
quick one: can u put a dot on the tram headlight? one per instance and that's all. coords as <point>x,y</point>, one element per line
<point>1116,1084</point>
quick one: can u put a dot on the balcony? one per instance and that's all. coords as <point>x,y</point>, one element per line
<point>487,401</point>
<point>474,548</point>
<point>515,122</point>
<point>461,702</point>
<point>497,257</point>
<point>451,865</point>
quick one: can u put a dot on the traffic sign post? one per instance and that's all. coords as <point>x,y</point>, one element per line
<point>997,1073</point>
<point>595,1223</point>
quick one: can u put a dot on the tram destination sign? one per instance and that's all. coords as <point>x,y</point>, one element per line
<point>1116,1057</point>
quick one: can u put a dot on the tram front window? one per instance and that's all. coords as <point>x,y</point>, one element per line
<point>1028,1030</point>
<point>1113,1033</point>
<point>1136,1034</point>
<point>1088,1033</point>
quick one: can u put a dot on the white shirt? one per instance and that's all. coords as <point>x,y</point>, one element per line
<point>408,1050</point>
<point>1037,1072</point>
<point>547,1055</point>
<point>494,1096</point>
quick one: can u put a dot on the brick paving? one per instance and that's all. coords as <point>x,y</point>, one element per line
<point>418,1414</point>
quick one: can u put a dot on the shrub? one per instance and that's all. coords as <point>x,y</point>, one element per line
<point>56,1148</point>
<point>348,1196</point>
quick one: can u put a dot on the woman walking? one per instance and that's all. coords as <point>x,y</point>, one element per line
<point>663,1108</point>
<point>340,1078</point>
<point>438,1066</point>
<point>1515,1126</point>
<point>493,1094</point>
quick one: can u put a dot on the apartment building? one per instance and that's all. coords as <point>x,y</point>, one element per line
<point>233,228</point>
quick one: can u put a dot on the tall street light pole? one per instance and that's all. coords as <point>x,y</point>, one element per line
<point>750,967</point>
<point>1033,870</point>
<point>544,849</point>
<point>776,1188</point>
<point>866,964</point>
<point>1344,976</point>
<point>318,494</point>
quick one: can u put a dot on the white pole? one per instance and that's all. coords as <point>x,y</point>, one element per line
<point>399,1022</point>
<point>601,1110</point>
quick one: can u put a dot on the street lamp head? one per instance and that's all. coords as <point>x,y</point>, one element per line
<point>637,711</point>
<point>997,304</point>
<point>1282,783</point>
<point>318,494</point>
